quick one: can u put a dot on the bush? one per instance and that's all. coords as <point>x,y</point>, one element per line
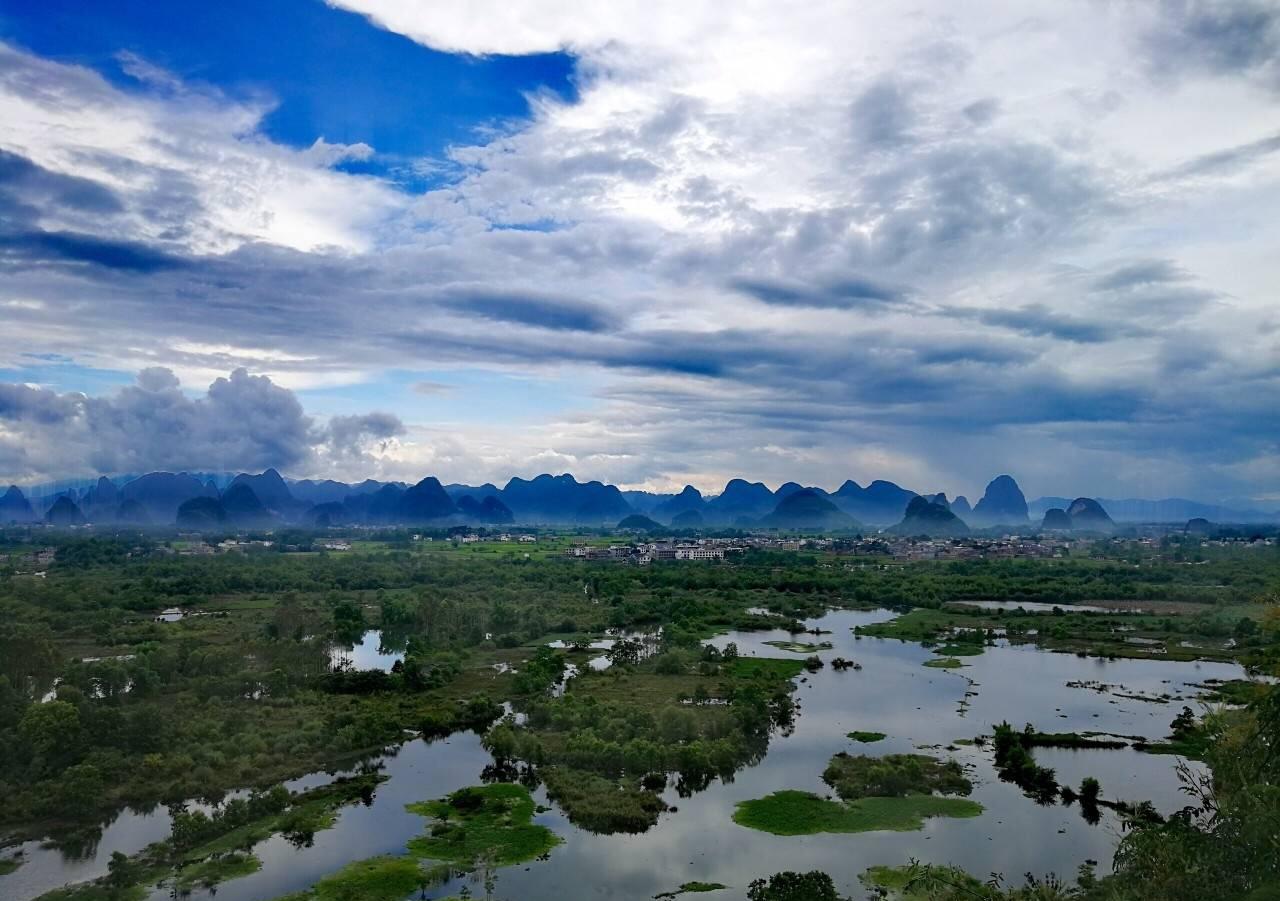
<point>789,886</point>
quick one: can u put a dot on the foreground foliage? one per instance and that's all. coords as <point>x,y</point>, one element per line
<point>487,822</point>
<point>792,812</point>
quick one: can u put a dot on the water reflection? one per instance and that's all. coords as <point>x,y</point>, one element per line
<point>375,649</point>
<point>1035,607</point>
<point>916,706</point>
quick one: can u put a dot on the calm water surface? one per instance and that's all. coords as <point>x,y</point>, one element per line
<point>917,707</point>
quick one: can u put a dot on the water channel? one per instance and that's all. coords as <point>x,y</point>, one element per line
<point>916,706</point>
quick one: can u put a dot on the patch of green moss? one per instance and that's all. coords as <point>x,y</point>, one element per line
<point>9,864</point>
<point>602,805</point>
<point>770,667</point>
<point>867,737</point>
<point>801,647</point>
<point>375,879</point>
<point>803,813</point>
<point>945,663</point>
<point>894,776</point>
<point>959,650</point>
<point>493,822</point>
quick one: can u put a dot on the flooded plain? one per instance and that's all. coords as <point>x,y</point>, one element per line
<point>919,708</point>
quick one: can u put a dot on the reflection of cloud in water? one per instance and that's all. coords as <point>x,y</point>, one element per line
<point>893,694</point>
<point>373,651</point>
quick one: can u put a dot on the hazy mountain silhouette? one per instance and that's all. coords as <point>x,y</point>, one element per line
<point>162,493</point>
<point>740,498</point>
<point>1088,515</point>
<point>925,517</point>
<point>14,506</point>
<point>880,502</point>
<point>1002,504</point>
<point>64,512</point>
<point>489,511</point>
<point>201,513</point>
<point>563,498</point>
<point>807,509</point>
<point>243,507</point>
<point>688,499</point>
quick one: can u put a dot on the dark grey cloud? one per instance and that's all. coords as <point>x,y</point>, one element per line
<point>23,403</point>
<point>1156,290</point>
<point>982,112</point>
<point>969,200</point>
<point>1140,273</point>
<point>1041,321</point>
<point>847,292</point>
<point>345,437</point>
<point>1224,37</point>
<point>1226,161</point>
<point>44,248</point>
<point>527,308</point>
<point>25,182</point>
<point>883,115</point>
<point>243,421</point>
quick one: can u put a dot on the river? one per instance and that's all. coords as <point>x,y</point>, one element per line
<point>916,706</point>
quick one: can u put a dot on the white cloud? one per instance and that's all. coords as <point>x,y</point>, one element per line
<point>189,163</point>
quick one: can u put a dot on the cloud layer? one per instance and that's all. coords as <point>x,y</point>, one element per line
<point>243,421</point>
<point>840,241</point>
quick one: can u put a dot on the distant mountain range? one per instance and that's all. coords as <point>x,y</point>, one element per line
<point>267,499</point>
<point>1172,509</point>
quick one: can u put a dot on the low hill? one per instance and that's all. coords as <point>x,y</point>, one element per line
<point>807,509</point>
<point>243,507</point>
<point>201,513</point>
<point>64,512</point>
<point>330,513</point>
<point>1056,520</point>
<point>689,519</point>
<point>688,499</point>
<point>1088,515</point>
<point>489,511</point>
<point>923,517</point>
<point>425,501</point>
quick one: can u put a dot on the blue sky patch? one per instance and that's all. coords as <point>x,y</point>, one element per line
<point>332,73</point>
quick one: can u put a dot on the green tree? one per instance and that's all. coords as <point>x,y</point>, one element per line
<point>80,788</point>
<point>53,732</point>
<point>122,873</point>
<point>790,886</point>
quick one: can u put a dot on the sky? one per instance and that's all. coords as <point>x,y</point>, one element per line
<point>649,243</point>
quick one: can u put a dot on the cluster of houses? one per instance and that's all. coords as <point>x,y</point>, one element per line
<point>474,538</point>
<point>30,564</point>
<point>1007,548</point>
<point>647,552</point>
<point>195,546</point>
<point>898,549</point>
